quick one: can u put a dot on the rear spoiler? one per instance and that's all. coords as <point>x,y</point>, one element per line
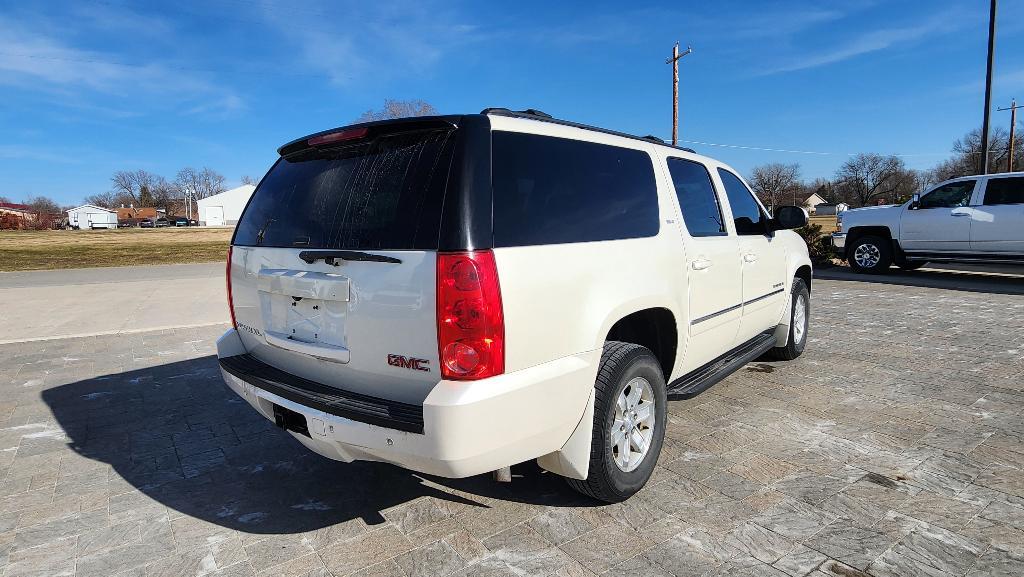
<point>369,130</point>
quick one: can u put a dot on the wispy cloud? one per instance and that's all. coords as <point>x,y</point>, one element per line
<point>872,41</point>
<point>34,55</point>
<point>367,41</point>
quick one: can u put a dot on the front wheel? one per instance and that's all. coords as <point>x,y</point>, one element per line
<point>799,320</point>
<point>630,415</point>
<point>870,254</point>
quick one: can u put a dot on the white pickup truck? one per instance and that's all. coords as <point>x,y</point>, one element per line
<point>968,219</point>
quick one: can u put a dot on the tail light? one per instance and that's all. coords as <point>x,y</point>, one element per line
<point>470,322</point>
<point>231,302</point>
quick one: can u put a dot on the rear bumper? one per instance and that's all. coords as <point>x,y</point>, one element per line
<point>467,428</point>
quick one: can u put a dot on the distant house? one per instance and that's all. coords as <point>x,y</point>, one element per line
<point>809,202</point>
<point>224,208</point>
<point>89,216</point>
<point>830,208</point>
<point>132,215</point>
<point>15,216</point>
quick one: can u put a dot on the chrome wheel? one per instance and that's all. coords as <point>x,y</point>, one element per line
<point>633,428</point>
<point>867,255</point>
<point>799,319</point>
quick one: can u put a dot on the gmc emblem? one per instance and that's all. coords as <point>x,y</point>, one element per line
<point>408,363</point>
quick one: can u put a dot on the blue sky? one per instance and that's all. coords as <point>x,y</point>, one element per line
<point>94,86</point>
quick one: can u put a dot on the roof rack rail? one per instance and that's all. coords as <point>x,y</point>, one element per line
<point>534,114</point>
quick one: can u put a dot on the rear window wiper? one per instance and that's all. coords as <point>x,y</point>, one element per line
<point>332,256</point>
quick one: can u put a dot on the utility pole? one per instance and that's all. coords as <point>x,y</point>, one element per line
<point>988,85</point>
<point>674,61</point>
<point>1013,126</point>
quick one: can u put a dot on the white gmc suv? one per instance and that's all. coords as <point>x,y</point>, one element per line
<point>458,294</point>
<point>969,219</point>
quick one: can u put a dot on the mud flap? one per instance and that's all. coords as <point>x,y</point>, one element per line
<point>573,459</point>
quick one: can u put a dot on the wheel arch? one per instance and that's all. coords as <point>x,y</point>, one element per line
<point>654,328</point>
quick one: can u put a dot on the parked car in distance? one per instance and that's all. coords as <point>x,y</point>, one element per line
<point>972,219</point>
<point>180,221</point>
<point>161,222</point>
<point>514,287</point>
<point>146,223</point>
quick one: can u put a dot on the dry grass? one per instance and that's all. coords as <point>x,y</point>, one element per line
<point>58,249</point>
<point>827,222</point>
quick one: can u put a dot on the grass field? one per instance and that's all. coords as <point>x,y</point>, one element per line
<point>57,249</point>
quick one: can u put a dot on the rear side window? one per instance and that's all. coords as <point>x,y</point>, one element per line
<point>553,190</point>
<point>1004,191</point>
<point>746,213</point>
<point>382,194</point>
<point>697,199</point>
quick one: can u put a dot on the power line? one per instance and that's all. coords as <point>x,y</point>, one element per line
<point>792,151</point>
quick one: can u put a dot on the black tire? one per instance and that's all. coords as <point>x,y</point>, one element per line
<point>620,363</point>
<point>871,244</point>
<point>911,264</point>
<point>794,348</point>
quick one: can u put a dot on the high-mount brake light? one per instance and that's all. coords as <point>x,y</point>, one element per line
<point>341,135</point>
<point>231,300</point>
<point>470,320</point>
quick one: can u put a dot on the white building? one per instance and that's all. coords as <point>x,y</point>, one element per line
<point>224,208</point>
<point>89,216</point>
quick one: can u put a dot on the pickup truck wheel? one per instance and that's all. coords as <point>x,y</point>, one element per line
<point>629,423</point>
<point>870,254</point>
<point>799,319</point>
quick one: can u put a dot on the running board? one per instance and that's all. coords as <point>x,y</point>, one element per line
<point>699,380</point>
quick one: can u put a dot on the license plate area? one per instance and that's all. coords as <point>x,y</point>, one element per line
<point>290,420</point>
<point>306,320</point>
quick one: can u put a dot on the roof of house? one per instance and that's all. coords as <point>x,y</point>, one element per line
<point>246,189</point>
<point>90,206</point>
<point>15,206</point>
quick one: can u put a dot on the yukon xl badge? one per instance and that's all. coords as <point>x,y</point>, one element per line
<point>408,363</point>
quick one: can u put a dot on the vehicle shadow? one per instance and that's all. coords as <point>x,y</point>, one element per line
<point>179,435</point>
<point>973,279</point>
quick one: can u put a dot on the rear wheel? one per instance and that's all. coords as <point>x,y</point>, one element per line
<point>799,320</point>
<point>870,254</point>
<point>629,423</point>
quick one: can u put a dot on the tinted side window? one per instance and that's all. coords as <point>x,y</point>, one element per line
<point>951,195</point>
<point>554,190</point>
<point>1005,191</point>
<point>697,199</point>
<point>746,213</point>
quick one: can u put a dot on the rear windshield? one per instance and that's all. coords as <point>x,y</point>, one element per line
<point>551,190</point>
<point>382,194</point>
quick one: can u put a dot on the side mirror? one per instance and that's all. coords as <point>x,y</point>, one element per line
<point>915,201</point>
<point>788,217</point>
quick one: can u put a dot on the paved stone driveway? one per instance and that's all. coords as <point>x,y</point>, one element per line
<point>893,447</point>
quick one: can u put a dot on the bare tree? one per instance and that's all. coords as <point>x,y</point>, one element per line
<point>399,109</point>
<point>5,200</point>
<point>868,177</point>
<point>42,205</point>
<point>192,184</point>
<point>775,182</point>
<point>134,186</point>
<point>105,199</point>
<point>246,179</point>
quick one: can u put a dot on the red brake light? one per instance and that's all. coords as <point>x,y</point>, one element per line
<point>470,321</point>
<point>231,303</point>
<point>347,134</point>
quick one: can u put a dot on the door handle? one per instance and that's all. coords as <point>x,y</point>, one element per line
<point>700,264</point>
<point>750,257</point>
<point>960,214</point>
